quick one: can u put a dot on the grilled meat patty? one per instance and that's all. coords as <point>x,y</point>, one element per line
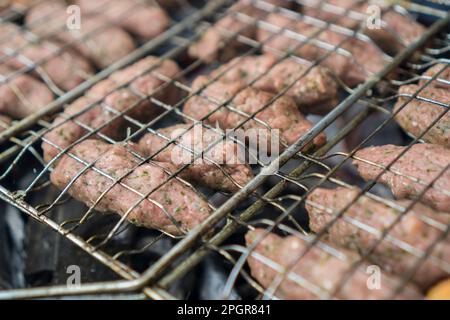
<point>22,95</point>
<point>314,91</point>
<point>7,7</point>
<point>4,4</point>
<point>401,30</point>
<point>281,114</point>
<point>224,172</point>
<point>92,40</point>
<point>178,200</point>
<point>409,175</point>
<point>220,40</point>
<point>365,58</point>
<point>443,71</point>
<point>362,224</point>
<point>65,68</point>
<point>396,30</point>
<point>138,17</point>
<point>320,269</point>
<point>5,122</point>
<point>333,11</point>
<point>141,78</point>
<point>418,115</point>
<point>93,115</point>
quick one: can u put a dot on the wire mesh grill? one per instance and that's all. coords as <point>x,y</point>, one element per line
<point>275,198</point>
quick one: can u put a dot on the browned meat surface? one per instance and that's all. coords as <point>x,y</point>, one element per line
<point>186,207</point>
<point>281,114</point>
<point>96,110</point>
<point>139,17</point>
<point>314,91</point>
<point>322,271</point>
<point>93,40</point>
<point>65,69</point>
<point>5,122</point>
<point>443,78</point>
<point>150,73</point>
<point>366,58</point>
<point>277,41</point>
<point>220,40</point>
<point>219,168</point>
<point>361,225</point>
<point>418,115</point>
<point>22,95</point>
<point>420,165</point>
<point>245,68</point>
<point>66,131</point>
<point>397,30</point>
<point>93,115</point>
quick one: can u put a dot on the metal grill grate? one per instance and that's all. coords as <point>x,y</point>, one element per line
<point>277,194</point>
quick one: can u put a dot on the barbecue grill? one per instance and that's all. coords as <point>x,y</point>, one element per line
<point>137,263</point>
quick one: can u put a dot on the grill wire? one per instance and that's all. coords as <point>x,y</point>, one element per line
<point>279,205</point>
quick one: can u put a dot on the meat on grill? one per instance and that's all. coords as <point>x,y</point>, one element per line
<point>138,17</point>
<point>93,38</point>
<point>321,271</point>
<point>22,95</point>
<point>443,78</point>
<point>396,30</point>
<point>177,200</point>
<point>220,40</point>
<point>221,167</point>
<point>363,222</point>
<point>5,122</point>
<point>87,112</point>
<point>365,60</point>
<point>418,166</point>
<point>281,114</point>
<point>314,91</point>
<point>418,115</point>
<point>20,49</point>
<point>100,105</point>
<point>4,4</point>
